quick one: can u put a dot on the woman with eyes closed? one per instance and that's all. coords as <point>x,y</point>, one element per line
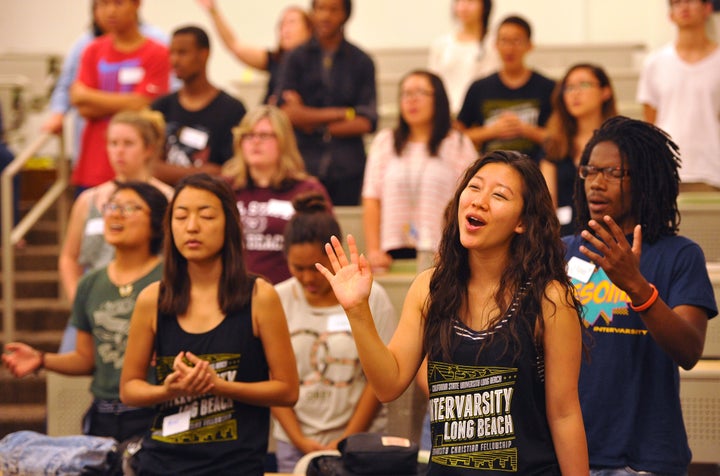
<point>102,308</point>
<point>266,172</point>
<point>218,340</point>
<point>581,103</point>
<point>498,321</point>
<point>411,173</point>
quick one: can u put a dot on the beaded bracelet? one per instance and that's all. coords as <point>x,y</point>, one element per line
<point>646,305</point>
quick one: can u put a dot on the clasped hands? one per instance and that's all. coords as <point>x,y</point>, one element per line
<point>191,376</point>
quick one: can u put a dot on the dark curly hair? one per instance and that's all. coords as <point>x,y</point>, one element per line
<point>652,160</point>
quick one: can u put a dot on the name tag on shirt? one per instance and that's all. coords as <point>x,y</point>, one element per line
<point>580,269</point>
<point>176,423</point>
<point>131,75</point>
<point>280,208</point>
<point>564,215</point>
<point>338,323</point>
<point>94,226</point>
<point>194,138</point>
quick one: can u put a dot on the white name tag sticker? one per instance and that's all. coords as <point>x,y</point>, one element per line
<point>131,75</point>
<point>338,323</point>
<point>176,423</point>
<point>564,215</point>
<point>580,269</point>
<point>194,138</point>
<point>94,226</point>
<point>280,208</point>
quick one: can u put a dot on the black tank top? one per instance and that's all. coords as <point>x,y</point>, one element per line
<point>487,411</point>
<point>225,436</point>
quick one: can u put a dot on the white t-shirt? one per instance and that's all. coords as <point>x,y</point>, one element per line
<point>687,99</point>
<point>460,63</point>
<point>331,377</point>
<point>414,188</point>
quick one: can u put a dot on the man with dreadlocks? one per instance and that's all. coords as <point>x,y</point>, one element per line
<point>647,299</point>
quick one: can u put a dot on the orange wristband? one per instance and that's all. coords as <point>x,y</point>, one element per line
<point>646,305</point>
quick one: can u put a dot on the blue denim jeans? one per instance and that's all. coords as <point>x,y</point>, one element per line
<point>28,452</point>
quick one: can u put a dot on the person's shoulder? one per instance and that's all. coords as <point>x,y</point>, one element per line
<point>285,288</point>
<point>155,46</point>
<point>264,293</point>
<point>89,279</point>
<point>164,102</point>
<point>101,44</point>
<point>572,242</point>
<point>384,136</point>
<point>543,80</point>
<point>665,53</point>
<point>232,103</point>
<point>356,52</point>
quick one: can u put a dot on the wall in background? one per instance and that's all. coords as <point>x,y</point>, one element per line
<point>51,26</point>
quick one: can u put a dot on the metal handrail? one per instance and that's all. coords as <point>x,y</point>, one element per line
<point>12,234</point>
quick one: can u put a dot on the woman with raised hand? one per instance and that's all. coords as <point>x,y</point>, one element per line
<point>335,400</point>
<point>498,321</point>
<point>218,339</point>
<point>411,173</point>
<point>581,103</point>
<point>294,28</point>
<point>101,312</point>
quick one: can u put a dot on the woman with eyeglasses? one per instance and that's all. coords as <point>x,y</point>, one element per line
<point>267,172</point>
<point>102,308</point>
<point>411,173</point>
<point>581,102</point>
<point>133,140</point>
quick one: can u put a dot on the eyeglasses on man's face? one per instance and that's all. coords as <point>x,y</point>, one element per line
<point>124,210</point>
<point>611,174</point>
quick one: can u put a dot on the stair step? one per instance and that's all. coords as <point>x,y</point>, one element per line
<point>36,257</point>
<point>22,416</point>
<point>29,389</point>
<point>36,284</point>
<point>32,314</point>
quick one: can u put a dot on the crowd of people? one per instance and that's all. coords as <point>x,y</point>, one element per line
<point>203,245</point>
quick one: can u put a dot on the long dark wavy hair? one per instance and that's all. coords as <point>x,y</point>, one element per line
<point>652,160</point>
<point>236,283</point>
<point>441,115</point>
<point>562,127</point>
<point>535,258</point>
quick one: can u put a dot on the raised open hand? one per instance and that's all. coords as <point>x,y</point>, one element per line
<point>619,260</point>
<point>351,279</point>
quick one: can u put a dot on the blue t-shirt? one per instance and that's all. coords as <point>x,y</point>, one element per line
<point>629,391</point>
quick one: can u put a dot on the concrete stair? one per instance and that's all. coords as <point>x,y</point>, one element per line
<point>40,317</point>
